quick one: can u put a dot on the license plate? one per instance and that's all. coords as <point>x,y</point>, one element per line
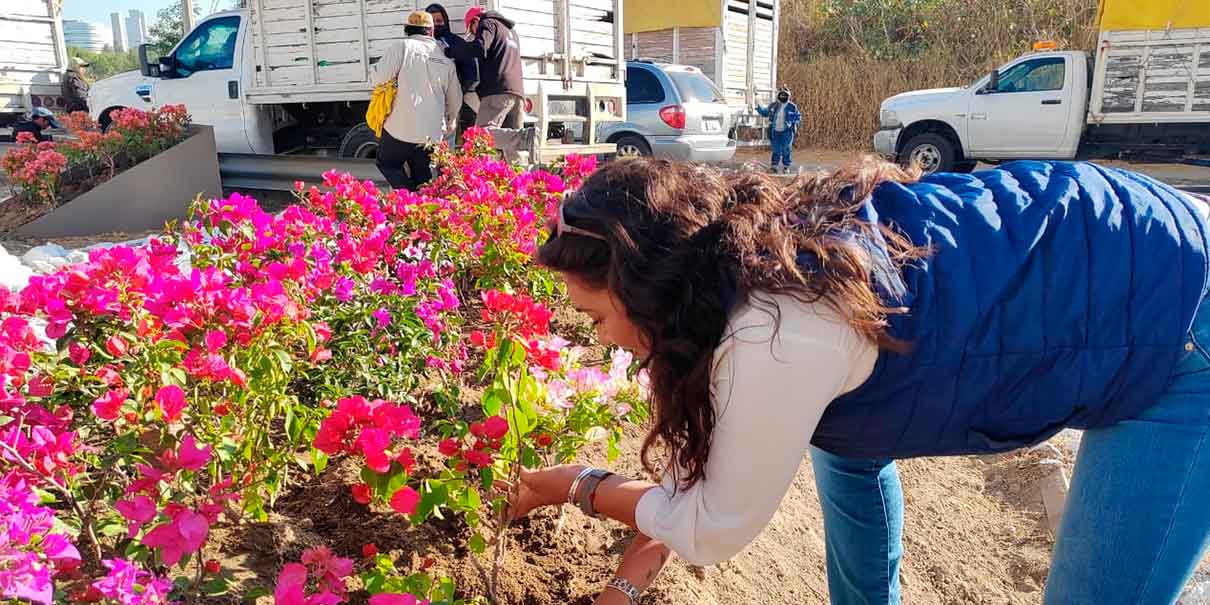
<point>709,125</point>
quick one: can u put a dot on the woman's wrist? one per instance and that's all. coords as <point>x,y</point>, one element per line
<point>557,482</point>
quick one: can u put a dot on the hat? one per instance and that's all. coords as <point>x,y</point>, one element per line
<point>420,19</point>
<point>472,13</point>
<point>42,112</point>
<point>78,62</point>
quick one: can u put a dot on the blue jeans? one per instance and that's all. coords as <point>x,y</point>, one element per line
<point>1137,519</point>
<point>783,144</point>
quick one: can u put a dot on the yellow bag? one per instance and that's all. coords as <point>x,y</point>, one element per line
<point>380,106</point>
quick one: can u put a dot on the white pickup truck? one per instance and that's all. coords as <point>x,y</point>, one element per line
<point>286,76</point>
<point>1146,91</point>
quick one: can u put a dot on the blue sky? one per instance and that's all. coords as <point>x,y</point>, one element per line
<point>98,10</point>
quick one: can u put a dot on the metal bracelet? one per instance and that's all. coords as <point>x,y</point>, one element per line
<point>587,488</point>
<point>575,485</point>
<point>624,586</point>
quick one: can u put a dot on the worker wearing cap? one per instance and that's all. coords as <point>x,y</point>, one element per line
<point>426,104</point>
<point>498,49</point>
<point>75,88</point>
<point>40,119</point>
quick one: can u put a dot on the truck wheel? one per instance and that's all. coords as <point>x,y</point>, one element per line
<point>359,142</point>
<point>964,167</point>
<point>931,152</point>
<point>632,146</point>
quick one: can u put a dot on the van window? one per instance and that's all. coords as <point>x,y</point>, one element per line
<point>642,86</point>
<point>695,87</point>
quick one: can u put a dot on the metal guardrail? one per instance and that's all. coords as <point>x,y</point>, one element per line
<point>279,172</point>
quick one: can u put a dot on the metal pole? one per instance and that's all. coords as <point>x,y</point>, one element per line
<point>187,16</point>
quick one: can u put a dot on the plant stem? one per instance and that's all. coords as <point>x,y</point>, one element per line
<point>85,522</point>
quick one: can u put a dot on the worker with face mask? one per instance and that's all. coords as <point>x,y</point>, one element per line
<point>464,61</point>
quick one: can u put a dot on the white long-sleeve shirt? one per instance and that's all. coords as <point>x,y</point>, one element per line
<point>769,393</point>
<point>428,96</point>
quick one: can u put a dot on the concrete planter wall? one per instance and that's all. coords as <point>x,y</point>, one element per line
<point>143,197</point>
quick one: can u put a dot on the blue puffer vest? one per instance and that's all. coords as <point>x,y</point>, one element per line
<point>1056,295</point>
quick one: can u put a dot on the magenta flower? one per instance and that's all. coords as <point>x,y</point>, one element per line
<point>171,401</point>
<point>109,405</point>
<point>127,584</point>
<point>216,340</point>
<point>183,534</point>
<point>382,317</point>
<point>190,457</point>
<point>138,510</point>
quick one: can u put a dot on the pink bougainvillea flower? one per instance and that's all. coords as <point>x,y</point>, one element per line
<point>190,457</point>
<point>405,500</point>
<point>216,340</point>
<point>109,405</point>
<point>78,353</point>
<point>183,534</point>
<point>495,427</point>
<point>361,493</point>
<point>479,458</point>
<point>137,511</point>
<point>116,346</point>
<point>171,401</point>
<point>448,447</point>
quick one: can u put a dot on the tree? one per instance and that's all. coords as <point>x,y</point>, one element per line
<point>168,28</point>
<point>106,63</point>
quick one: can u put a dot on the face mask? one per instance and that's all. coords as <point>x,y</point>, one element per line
<point>783,98</point>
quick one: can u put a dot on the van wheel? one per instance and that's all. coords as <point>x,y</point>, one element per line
<point>359,142</point>
<point>631,146</point>
<point>931,152</point>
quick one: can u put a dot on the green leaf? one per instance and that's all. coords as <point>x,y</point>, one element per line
<point>477,544</point>
<point>469,499</point>
<point>374,583</point>
<point>255,593</point>
<point>494,400</point>
<point>432,496</point>
<point>319,460</point>
<point>216,587</point>
<point>488,477</point>
<point>530,458</point>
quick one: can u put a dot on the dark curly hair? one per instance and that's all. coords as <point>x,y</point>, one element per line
<point>683,244</point>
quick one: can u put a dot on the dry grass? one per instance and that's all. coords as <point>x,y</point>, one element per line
<point>839,95</point>
<point>841,58</point>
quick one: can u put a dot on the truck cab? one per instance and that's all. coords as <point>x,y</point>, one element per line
<point>205,72</point>
<point>1031,107</point>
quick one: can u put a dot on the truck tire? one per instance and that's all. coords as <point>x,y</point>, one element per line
<point>359,142</point>
<point>931,151</point>
<point>965,166</point>
<point>633,146</point>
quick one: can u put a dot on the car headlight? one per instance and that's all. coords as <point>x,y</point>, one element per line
<point>889,119</point>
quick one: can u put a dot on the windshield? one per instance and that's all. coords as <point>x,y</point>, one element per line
<point>694,86</point>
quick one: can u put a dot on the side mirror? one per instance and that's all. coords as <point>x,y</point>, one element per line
<point>165,68</point>
<point>993,84</point>
<point>145,64</point>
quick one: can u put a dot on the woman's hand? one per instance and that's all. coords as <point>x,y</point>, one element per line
<point>543,487</point>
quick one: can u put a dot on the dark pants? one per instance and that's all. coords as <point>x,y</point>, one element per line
<point>394,154</point>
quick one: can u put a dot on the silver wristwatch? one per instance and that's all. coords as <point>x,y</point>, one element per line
<point>624,586</point>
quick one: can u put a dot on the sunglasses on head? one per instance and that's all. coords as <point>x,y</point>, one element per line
<point>563,227</point>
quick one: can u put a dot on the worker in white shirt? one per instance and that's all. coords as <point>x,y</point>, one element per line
<point>426,104</point>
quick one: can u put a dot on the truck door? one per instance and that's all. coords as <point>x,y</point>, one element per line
<point>1026,114</point>
<point>205,79</point>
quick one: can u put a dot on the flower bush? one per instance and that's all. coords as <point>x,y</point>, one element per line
<point>37,170</point>
<point>152,392</point>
